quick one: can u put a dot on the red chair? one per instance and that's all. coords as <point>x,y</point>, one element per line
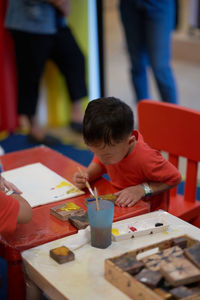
<point>176,130</point>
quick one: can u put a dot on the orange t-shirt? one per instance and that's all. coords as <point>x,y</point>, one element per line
<point>9,208</point>
<point>143,164</point>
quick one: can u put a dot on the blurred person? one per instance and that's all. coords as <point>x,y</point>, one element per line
<point>148,25</point>
<point>40,32</point>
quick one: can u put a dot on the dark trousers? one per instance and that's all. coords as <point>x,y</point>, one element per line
<point>148,25</point>
<point>32,52</point>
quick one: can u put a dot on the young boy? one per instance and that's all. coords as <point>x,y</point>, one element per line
<point>134,168</point>
<point>13,209</point>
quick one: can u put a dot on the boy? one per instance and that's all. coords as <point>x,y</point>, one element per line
<point>13,209</point>
<point>134,168</point>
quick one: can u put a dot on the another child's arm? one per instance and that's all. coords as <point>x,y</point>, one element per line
<point>13,209</point>
<point>25,210</point>
<point>131,195</point>
<point>93,172</point>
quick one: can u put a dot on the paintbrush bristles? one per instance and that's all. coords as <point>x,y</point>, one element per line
<point>96,197</point>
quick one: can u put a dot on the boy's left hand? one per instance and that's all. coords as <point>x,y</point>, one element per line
<point>129,196</point>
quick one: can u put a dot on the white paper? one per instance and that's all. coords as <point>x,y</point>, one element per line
<point>40,185</point>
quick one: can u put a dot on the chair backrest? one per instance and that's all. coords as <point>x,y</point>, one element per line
<point>176,130</point>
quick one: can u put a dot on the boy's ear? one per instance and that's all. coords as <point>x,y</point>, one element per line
<point>132,139</point>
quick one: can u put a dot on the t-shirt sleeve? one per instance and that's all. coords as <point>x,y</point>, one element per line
<point>97,161</point>
<point>9,209</point>
<point>158,169</point>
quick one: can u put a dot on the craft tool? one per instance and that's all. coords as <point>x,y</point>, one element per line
<point>96,197</point>
<point>87,183</point>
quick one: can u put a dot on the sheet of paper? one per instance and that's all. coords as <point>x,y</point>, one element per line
<point>40,185</point>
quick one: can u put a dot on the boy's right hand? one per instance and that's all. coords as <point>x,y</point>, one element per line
<point>80,179</point>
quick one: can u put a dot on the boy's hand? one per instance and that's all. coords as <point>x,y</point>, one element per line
<point>129,196</point>
<point>4,184</point>
<point>79,179</point>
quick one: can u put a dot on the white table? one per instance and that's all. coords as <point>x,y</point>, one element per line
<point>83,278</point>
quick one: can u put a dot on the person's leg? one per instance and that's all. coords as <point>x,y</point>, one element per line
<point>132,20</point>
<point>158,28</point>
<point>70,61</point>
<point>32,51</point>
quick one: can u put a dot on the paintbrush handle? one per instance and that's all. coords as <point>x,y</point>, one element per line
<point>89,188</point>
<point>96,197</point>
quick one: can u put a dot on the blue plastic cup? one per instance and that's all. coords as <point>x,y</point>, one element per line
<point>100,223</point>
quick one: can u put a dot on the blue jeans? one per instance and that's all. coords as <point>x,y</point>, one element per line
<point>148,25</point>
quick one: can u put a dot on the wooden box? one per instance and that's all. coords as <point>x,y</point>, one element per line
<point>129,285</point>
<point>63,211</point>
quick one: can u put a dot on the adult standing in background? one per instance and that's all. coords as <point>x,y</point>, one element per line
<point>40,32</point>
<point>148,25</point>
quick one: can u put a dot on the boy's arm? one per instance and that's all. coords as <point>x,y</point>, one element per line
<point>131,195</point>
<point>25,210</point>
<point>162,176</point>
<point>94,171</point>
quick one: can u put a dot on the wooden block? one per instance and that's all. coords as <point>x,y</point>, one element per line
<point>62,254</point>
<point>108,197</point>
<point>196,290</point>
<point>79,220</point>
<point>165,285</point>
<point>181,292</point>
<point>193,253</point>
<point>180,271</point>
<point>180,241</point>
<point>148,277</point>
<point>128,263</point>
<point>63,211</point>
<point>153,262</point>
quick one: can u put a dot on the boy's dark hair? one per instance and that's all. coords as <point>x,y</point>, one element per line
<point>107,120</point>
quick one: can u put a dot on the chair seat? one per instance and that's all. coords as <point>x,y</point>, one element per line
<point>183,209</point>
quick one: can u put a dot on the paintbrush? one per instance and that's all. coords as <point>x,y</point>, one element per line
<point>87,183</point>
<point>96,197</point>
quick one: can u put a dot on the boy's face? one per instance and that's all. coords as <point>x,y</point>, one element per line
<point>109,155</point>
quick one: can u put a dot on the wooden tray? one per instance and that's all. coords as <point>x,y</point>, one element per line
<point>129,285</point>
